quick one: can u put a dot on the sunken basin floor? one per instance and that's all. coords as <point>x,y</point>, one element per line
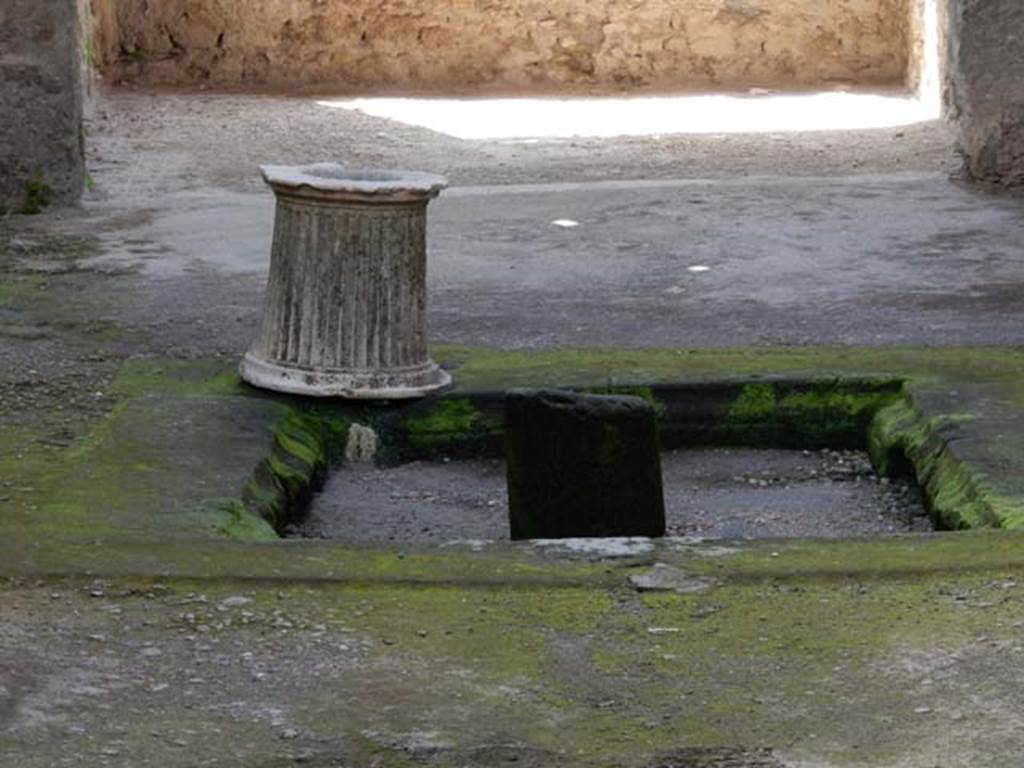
<point>711,493</point>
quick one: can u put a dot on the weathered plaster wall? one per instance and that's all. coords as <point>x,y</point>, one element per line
<point>40,100</point>
<point>505,44</point>
<point>987,44</point>
<point>105,42</point>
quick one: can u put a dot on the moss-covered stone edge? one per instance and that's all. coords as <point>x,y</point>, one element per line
<point>777,412</point>
<point>306,443</point>
<point>878,413</point>
<point>903,440</point>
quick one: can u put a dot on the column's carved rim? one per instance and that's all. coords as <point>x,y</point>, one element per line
<point>336,183</point>
<point>387,384</point>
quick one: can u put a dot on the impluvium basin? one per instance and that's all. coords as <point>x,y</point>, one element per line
<point>345,308</point>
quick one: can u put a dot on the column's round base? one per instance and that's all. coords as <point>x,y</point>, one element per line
<point>394,384</point>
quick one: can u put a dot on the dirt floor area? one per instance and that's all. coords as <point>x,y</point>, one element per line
<point>145,142</point>
<point>717,493</point>
<point>762,673</point>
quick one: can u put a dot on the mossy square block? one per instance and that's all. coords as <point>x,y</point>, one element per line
<point>582,466</point>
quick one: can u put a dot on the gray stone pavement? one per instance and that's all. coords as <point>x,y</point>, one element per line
<point>871,259</point>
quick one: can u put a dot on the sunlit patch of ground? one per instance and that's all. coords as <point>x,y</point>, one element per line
<point>526,118</point>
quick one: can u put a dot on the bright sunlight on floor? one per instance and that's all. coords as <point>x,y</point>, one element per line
<point>647,116</point>
<point>758,111</point>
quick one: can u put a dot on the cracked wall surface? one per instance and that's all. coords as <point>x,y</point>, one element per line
<point>987,44</point>
<point>505,44</point>
<point>40,102</point>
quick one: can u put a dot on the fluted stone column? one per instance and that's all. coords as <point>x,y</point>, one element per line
<point>345,310</point>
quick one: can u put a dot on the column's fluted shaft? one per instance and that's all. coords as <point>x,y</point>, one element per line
<point>345,311</point>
